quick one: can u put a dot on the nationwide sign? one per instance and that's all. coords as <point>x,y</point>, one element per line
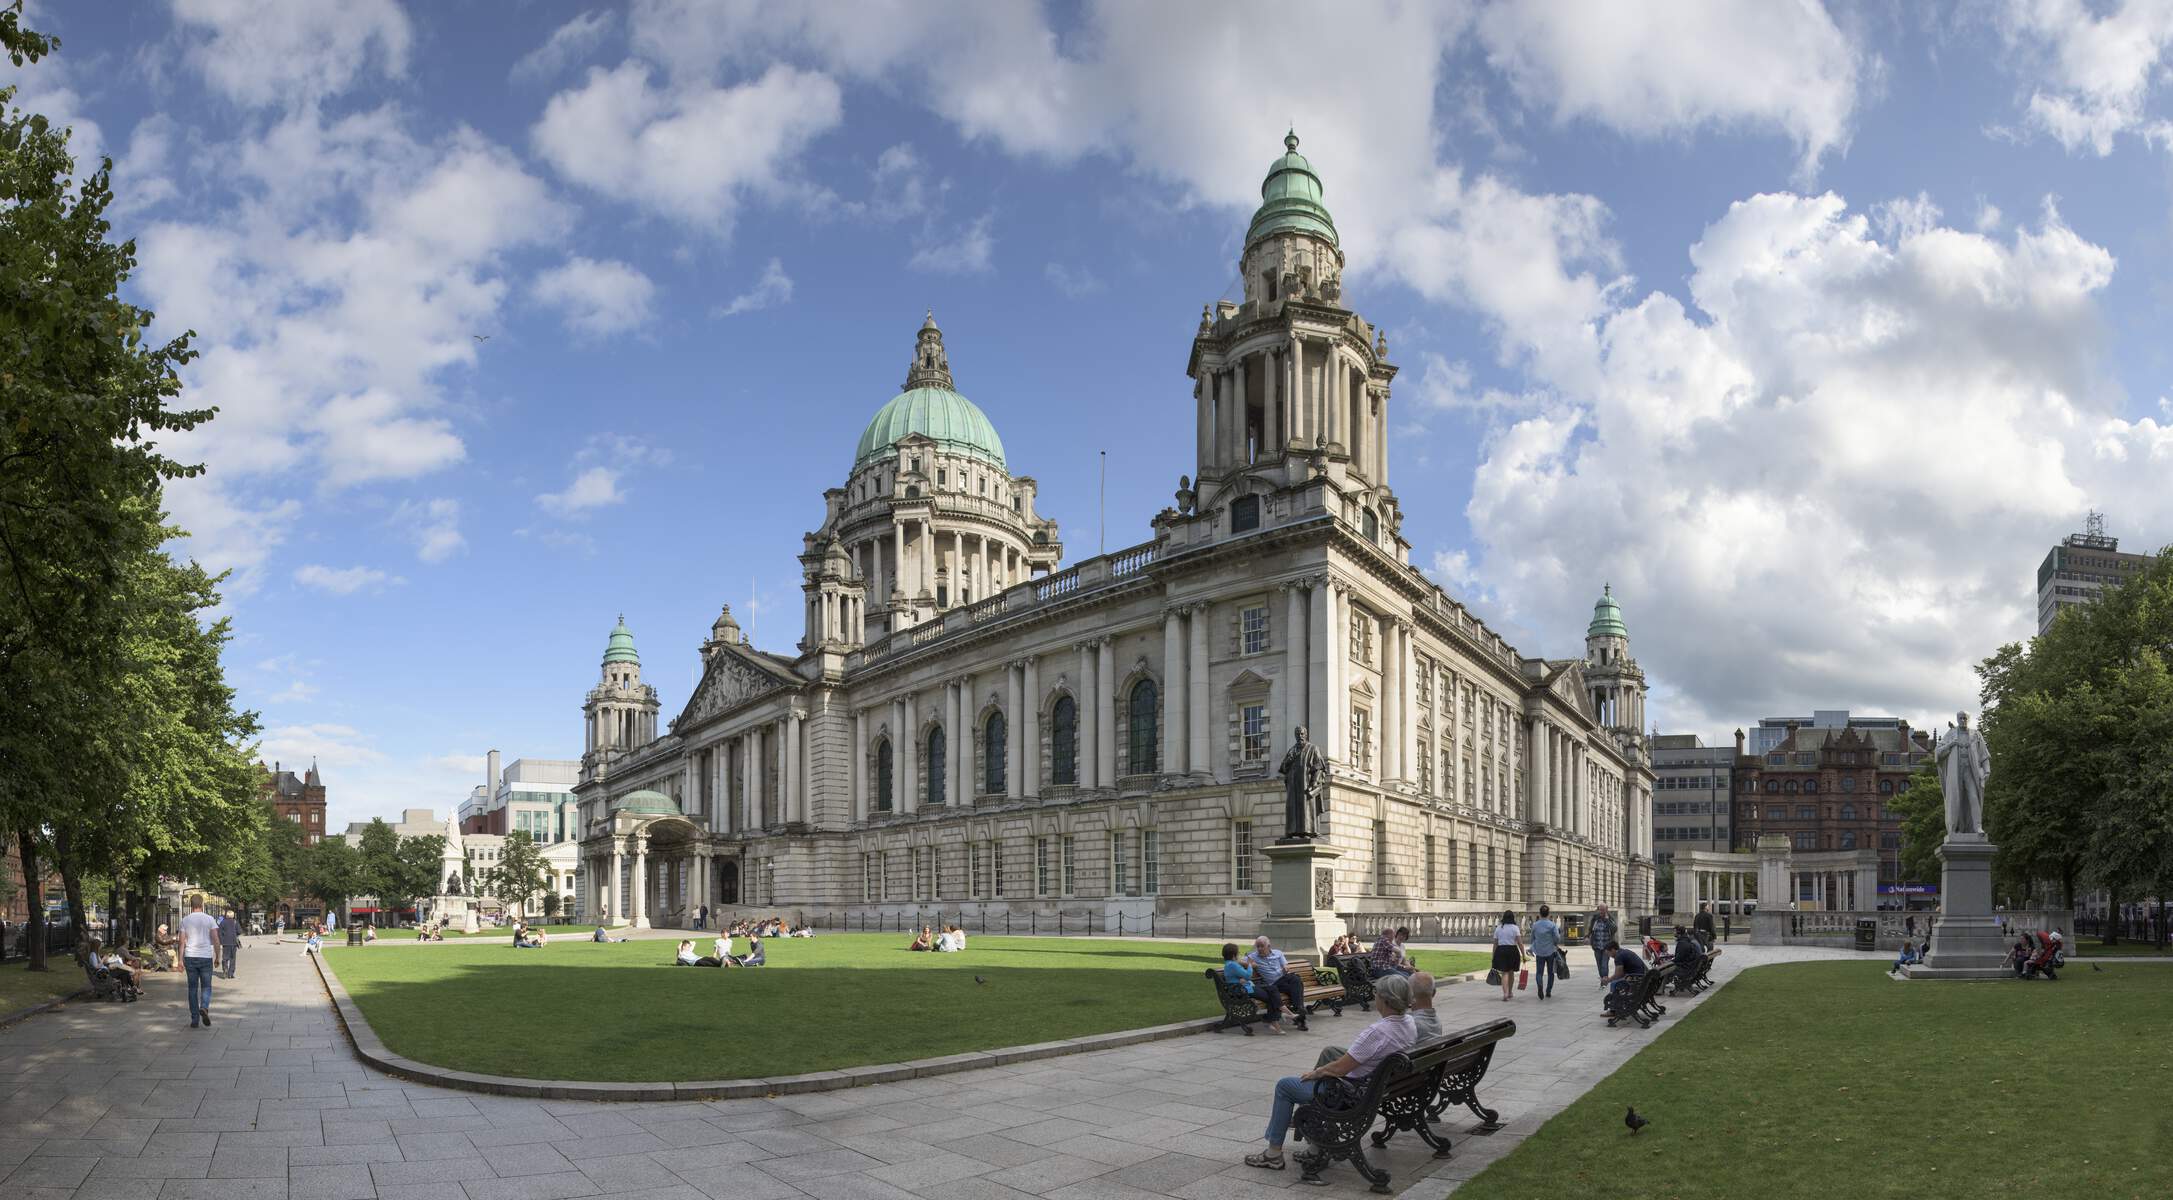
<point>1908,889</point>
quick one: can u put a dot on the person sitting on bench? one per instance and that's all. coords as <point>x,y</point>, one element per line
<point>1276,986</point>
<point>1238,975</point>
<point>1392,1033</point>
<point>1628,966</point>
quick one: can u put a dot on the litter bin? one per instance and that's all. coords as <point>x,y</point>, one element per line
<point>354,935</point>
<point>1867,934</point>
<point>1644,927</point>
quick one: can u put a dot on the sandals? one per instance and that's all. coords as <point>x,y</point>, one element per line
<point>1265,1161</point>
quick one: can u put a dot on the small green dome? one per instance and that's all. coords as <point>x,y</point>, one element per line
<point>952,421</point>
<point>621,646</point>
<point>1607,617</point>
<point>1290,199</point>
<point>646,803</point>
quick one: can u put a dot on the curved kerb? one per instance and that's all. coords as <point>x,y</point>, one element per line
<point>373,1051</point>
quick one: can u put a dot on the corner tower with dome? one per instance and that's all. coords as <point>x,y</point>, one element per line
<point>967,723</point>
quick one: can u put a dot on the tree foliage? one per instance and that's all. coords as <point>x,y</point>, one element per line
<point>518,874</point>
<point>2080,724</point>
<point>1922,807</point>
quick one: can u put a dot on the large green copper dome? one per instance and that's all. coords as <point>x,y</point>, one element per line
<point>646,803</point>
<point>1290,199</point>
<point>621,646</point>
<point>951,420</point>
<point>1607,617</point>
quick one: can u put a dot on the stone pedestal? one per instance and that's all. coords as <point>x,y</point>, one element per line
<point>1776,891</point>
<point>1301,897</point>
<point>1967,943</point>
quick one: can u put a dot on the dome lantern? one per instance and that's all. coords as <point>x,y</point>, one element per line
<point>621,646</point>
<point>931,407</point>
<point>1607,617</point>
<point>1290,199</point>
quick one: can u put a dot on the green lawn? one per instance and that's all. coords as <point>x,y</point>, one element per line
<point>622,1012</point>
<point>396,935</point>
<point>21,988</point>
<point>1823,1079</point>
<point>2093,948</point>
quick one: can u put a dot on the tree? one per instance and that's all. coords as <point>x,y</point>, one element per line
<point>332,872</point>
<point>378,864</point>
<point>1922,807</point>
<point>551,900</point>
<point>82,397</point>
<point>2078,724</point>
<point>519,874</point>
<point>420,859</point>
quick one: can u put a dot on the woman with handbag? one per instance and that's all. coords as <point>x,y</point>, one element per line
<point>1508,953</point>
<point>1547,948</point>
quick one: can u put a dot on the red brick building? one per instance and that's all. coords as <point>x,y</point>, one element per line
<point>1829,788</point>
<point>300,800</point>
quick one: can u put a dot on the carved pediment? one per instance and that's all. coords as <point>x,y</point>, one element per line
<point>1569,687</point>
<point>729,681</point>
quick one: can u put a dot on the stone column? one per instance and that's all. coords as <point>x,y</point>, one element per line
<point>909,782</point>
<point>958,564</point>
<point>1407,704</point>
<point>612,891</point>
<point>1014,732</point>
<point>1323,649</point>
<point>1536,804</point>
<point>957,784</point>
<point>1273,395</point>
<point>749,819</point>
<point>639,885</point>
<point>860,764</point>
<point>897,557</point>
<point>1239,442</point>
<point>1105,721</point>
<point>1294,688</point>
<point>796,781</point>
<point>1084,755</point>
<point>1176,746</point>
<point>1030,732</point>
<point>1391,704</point>
<point>1203,394</point>
<point>1199,758</point>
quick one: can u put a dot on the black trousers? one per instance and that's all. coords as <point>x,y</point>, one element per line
<point>1285,993</point>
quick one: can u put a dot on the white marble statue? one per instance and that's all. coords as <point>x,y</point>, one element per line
<point>1964,766</point>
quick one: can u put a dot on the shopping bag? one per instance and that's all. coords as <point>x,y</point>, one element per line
<point>1561,965</point>
<point>1524,979</point>
<point>1493,978</point>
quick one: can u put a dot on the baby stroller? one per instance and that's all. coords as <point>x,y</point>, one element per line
<point>2036,956</point>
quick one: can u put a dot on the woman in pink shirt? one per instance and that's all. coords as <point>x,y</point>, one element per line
<point>1392,1033</point>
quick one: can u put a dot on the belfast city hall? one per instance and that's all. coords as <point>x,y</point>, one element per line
<point>970,726</point>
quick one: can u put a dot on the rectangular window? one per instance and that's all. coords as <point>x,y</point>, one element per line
<point>1471,784</point>
<point>1253,720</point>
<point>1041,866</point>
<point>867,877</point>
<point>1471,874</point>
<point>1380,858</point>
<point>882,875</point>
<point>1432,867</point>
<point>1848,839</point>
<point>996,868</point>
<point>973,869</point>
<point>1068,877</point>
<point>1241,856</point>
<point>1362,738</point>
<point>1359,628</point>
<point>924,873</point>
<point>1806,841</point>
<point>1119,878</point>
<point>1471,701</point>
<point>1150,862</point>
<point>1253,630</point>
<point>1425,680</point>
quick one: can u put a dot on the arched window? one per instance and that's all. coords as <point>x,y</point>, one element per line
<point>1140,729</point>
<point>1773,786</point>
<point>935,765</point>
<point>1790,787</point>
<point>1886,787</point>
<point>1371,526</point>
<point>1848,812</point>
<point>1064,741</point>
<point>882,775</point>
<point>1810,787</point>
<point>992,755</point>
<point>1848,783</point>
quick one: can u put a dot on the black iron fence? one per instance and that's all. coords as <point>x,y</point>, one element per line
<point>15,940</point>
<point>2138,929</point>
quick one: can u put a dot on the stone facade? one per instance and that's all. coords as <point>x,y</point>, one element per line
<point>1825,788</point>
<point>965,726</point>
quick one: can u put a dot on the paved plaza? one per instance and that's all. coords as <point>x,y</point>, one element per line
<point>121,1102</point>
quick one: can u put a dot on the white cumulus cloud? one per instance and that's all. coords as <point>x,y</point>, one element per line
<point>595,487</point>
<point>568,44</point>
<point>597,299</point>
<point>263,54</point>
<point>343,581</point>
<point>772,289</point>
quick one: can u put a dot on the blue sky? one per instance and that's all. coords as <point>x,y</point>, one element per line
<point>1809,328</point>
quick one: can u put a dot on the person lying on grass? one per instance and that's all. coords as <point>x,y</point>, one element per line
<point>1392,1033</point>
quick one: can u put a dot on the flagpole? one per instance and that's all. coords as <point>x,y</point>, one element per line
<point>1105,502</point>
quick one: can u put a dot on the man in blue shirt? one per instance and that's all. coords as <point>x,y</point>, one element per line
<point>1278,987</point>
<point>1628,966</point>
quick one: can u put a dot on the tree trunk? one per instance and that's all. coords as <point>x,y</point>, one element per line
<point>2112,918</point>
<point>71,885</point>
<point>34,882</point>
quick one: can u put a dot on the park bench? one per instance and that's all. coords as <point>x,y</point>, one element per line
<point>1409,1090</point>
<point>1355,973</point>
<point>1640,1002</point>
<point>1241,1009</point>
<point>1689,981</point>
<point>105,985</point>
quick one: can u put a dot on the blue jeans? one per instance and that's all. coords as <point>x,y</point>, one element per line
<point>199,970</point>
<point>1290,1092</point>
<point>227,953</point>
<point>1601,964</point>
<point>1549,969</point>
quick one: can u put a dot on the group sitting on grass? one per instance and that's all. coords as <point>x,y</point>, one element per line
<point>720,953</point>
<point>951,940</point>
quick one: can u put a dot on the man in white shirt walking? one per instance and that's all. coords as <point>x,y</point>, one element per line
<point>199,953</point>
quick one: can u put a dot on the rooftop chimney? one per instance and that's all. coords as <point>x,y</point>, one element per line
<point>490,779</point>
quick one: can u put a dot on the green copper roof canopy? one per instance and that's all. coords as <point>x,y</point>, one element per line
<point>930,406</point>
<point>1607,617</point>
<point>621,647</point>
<point>646,803</point>
<point>1290,199</point>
